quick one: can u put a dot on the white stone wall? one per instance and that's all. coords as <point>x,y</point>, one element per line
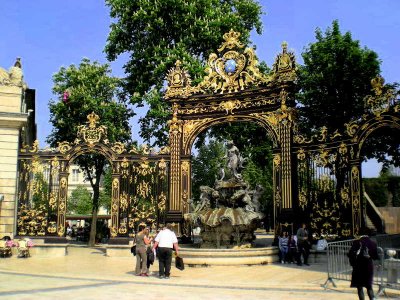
<point>12,118</point>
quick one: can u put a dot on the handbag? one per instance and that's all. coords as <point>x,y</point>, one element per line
<point>179,263</point>
<point>133,250</point>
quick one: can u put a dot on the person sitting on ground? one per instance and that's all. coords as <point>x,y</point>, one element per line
<point>292,249</point>
<point>142,241</point>
<point>283,247</point>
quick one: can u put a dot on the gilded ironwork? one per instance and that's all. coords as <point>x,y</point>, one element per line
<point>32,222</point>
<point>114,206</point>
<point>150,185</point>
<point>247,103</point>
<point>92,134</point>
<point>232,71</point>
<point>229,106</point>
<point>162,166</point>
<point>190,127</point>
<point>118,148</point>
<point>178,82</point>
<point>345,196</point>
<point>326,218</point>
<point>277,161</point>
<point>185,168</point>
<point>303,199</point>
<point>62,205</point>
<point>64,147</point>
<point>123,201</point>
<point>285,65</point>
<point>52,201</point>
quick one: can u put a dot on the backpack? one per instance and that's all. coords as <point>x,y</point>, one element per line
<point>360,254</point>
<point>363,252</point>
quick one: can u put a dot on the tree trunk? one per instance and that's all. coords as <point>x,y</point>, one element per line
<point>95,208</point>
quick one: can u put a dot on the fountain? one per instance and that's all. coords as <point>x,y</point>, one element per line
<point>229,213</point>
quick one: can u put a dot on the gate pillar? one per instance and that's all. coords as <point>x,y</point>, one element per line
<point>62,203</point>
<point>356,193</point>
<point>115,204</point>
<point>282,168</point>
<point>174,212</point>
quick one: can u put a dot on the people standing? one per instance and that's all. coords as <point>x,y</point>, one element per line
<point>363,250</point>
<point>165,242</point>
<point>303,245</point>
<point>142,241</point>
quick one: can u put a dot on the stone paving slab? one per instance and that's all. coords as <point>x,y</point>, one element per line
<point>87,274</point>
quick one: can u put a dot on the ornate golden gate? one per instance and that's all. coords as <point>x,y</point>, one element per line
<point>316,179</point>
<point>137,173</point>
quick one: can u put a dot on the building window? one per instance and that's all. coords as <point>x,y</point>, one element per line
<point>75,175</point>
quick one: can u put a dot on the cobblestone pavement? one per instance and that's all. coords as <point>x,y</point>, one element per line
<point>85,273</point>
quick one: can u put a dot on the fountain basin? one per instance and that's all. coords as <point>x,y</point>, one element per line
<point>228,257</point>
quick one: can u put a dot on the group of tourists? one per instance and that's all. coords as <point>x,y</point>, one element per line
<point>161,246</point>
<point>294,248</point>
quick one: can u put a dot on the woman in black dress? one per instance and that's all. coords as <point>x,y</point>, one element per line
<point>362,252</point>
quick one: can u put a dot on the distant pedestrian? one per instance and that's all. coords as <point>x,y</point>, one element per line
<point>303,245</point>
<point>165,242</point>
<point>361,254</point>
<point>142,241</point>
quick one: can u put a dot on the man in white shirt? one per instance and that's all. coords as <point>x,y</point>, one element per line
<point>166,241</point>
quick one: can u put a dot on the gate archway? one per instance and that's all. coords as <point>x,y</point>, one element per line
<point>316,179</point>
<point>234,90</point>
<point>138,174</point>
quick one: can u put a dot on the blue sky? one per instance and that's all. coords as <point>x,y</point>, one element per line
<point>48,34</point>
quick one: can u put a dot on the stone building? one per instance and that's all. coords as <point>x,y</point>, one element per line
<point>17,128</point>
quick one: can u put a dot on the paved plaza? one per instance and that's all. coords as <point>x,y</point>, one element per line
<point>85,273</point>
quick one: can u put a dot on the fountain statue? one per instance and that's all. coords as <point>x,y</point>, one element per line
<point>229,213</point>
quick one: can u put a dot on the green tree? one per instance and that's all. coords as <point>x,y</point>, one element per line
<point>334,80</point>
<point>105,194</point>
<point>206,165</point>
<point>80,201</point>
<point>157,33</point>
<point>91,88</point>
<point>41,191</point>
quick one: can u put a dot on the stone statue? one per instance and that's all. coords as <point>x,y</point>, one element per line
<point>221,173</point>
<point>229,213</point>
<point>14,76</point>
<point>235,161</point>
<point>205,198</point>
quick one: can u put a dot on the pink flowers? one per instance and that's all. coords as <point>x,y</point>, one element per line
<point>65,96</point>
<point>11,243</point>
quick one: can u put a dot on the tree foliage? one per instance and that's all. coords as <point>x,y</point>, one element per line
<point>334,80</point>
<point>157,33</point>
<point>81,90</point>
<point>80,201</point>
<point>206,165</point>
<point>41,191</point>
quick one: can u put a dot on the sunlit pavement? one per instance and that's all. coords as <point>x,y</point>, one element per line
<point>85,273</point>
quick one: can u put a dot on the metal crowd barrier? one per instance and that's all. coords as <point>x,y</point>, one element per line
<point>386,268</point>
